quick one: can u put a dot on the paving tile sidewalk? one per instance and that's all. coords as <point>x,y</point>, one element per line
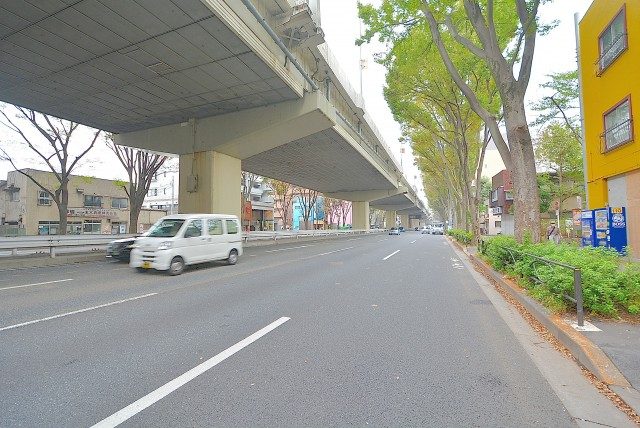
<point>621,342</point>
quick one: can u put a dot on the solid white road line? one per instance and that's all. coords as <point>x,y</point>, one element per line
<point>79,311</point>
<point>37,283</point>
<point>166,389</point>
<point>287,249</point>
<point>391,255</point>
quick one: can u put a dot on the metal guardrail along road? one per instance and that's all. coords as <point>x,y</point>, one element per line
<point>54,244</point>
<point>577,298</point>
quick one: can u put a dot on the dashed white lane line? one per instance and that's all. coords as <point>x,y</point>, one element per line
<point>37,283</point>
<point>413,242</point>
<point>334,251</point>
<point>79,311</point>
<point>287,249</point>
<point>166,389</point>
<point>391,255</point>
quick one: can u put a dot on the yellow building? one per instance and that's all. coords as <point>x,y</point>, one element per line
<point>610,76</point>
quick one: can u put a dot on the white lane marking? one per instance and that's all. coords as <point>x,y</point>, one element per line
<point>391,255</point>
<point>79,311</point>
<point>413,242</point>
<point>37,283</point>
<point>166,389</point>
<point>383,239</point>
<point>334,251</point>
<point>289,248</point>
<point>354,239</point>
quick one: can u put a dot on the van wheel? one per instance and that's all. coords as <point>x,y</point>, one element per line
<point>233,257</point>
<point>177,266</point>
<point>141,270</point>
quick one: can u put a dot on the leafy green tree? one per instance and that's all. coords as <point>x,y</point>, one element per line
<point>563,105</point>
<point>559,152</point>
<point>502,39</point>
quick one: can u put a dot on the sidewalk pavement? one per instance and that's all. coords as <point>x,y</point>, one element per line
<point>620,341</point>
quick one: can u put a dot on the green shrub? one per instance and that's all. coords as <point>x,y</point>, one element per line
<point>461,236</point>
<point>607,285</point>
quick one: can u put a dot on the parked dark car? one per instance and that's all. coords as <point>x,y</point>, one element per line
<point>120,249</point>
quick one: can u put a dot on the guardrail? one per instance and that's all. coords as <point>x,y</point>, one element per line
<point>577,298</point>
<point>258,236</point>
<point>53,243</point>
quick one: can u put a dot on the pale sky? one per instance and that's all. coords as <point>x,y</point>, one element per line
<point>554,53</point>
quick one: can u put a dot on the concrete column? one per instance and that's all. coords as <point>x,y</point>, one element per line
<point>210,183</point>
<point>389,219</point>
<point>404,220</point>
<point>360,215</point>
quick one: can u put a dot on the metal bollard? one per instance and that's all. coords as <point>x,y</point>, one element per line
<point>577,285</point>
<point>52,252</point>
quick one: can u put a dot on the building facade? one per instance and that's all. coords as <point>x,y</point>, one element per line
<point>609,63</point>
<point>96,206</point>
<point>258,210</point>
<point>501,204</point>
<point>163,192</point>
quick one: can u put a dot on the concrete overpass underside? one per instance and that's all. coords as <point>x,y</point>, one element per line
<point>123,66</point>
<point>324,161</point>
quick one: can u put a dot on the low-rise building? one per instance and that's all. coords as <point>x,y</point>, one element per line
<point>501,204</point>
<point>96,206</point>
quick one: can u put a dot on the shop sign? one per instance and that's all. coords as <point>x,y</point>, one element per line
<point>92,213</point>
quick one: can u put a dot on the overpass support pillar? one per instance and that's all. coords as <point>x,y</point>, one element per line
<point>389,219</point>
<point>360,215</point>
<point>210,183</point>
<point>404,220</point>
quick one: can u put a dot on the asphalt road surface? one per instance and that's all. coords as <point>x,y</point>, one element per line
<point>375,330</point>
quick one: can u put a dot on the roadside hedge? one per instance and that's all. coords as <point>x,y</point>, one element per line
<point>461,236</point>
<point>609,285</point>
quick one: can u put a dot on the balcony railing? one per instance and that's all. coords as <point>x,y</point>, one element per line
<point>616,136</point>
<point>611,53</point>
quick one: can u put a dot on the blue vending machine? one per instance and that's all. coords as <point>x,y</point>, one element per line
<point>605,227</point>
<point>618,229</point>
<point>588,229</point>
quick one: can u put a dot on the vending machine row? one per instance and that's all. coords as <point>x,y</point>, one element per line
<point>605,227</point>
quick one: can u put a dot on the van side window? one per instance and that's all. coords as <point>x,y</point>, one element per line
<point>232,226</point>
<point>214,226</point>
<point>194,229</point>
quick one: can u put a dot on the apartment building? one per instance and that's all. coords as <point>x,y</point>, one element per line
<point>609,56</point>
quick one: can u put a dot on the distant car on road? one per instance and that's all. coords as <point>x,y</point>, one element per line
<point>437,229</point>
<point>394,231</point>
<point>120,249</point>
<point>424,230</point>
<point>401,229</point>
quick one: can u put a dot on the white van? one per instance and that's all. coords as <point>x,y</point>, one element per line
<point>179,240</point>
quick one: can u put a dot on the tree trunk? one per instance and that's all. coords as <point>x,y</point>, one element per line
<point>62,207</point>
<point>134,214</point>
<point>526,197</point>
<point>135,206</point>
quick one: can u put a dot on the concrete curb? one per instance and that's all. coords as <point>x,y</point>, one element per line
<point>584,350</point>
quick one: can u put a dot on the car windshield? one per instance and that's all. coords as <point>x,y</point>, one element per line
<point>166,228</point>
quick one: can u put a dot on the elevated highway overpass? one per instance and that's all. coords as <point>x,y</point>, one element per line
<point>228,85</point>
